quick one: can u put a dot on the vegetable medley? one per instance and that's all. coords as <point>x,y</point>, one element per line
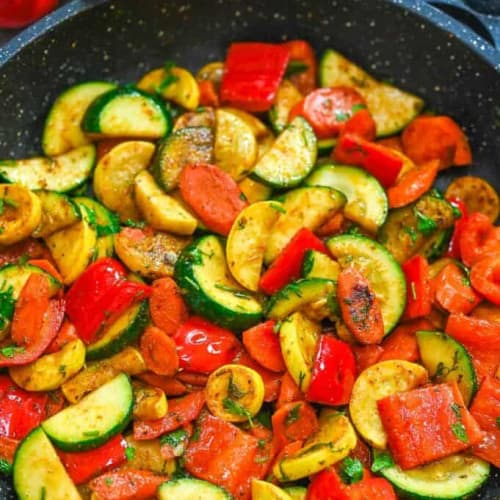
<point>243,284</point>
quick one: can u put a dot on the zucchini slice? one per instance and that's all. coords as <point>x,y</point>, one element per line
<point>58,211</point>
<point>454,477</point>
<point>235,148</point>
<point>287,97</point>
<point>20,214</point>
<point>296,492</point>
<point>94,419</point>
<point>332,442</point>
<point>73,248</point>
<point>160,210</point>
<point>201,271</point>
<point>303,207</point>
<point>297,295</point>
<point>182,147</point>
<point>61,173</point>
<point>379,267</point>
<point>436,245</point>
<point>298,339</point>
<point>62,131</point>
<point>127,112</point>
<point>38,471</point>
<point>254,191</point>
<point>367,203</point>
<point>446,360</point>
<point>115,173</point>
<point>16,275</point>
<point>391,108</point>
<point>247,239</point>
<point>411,229</point>
<point>50,371</point>
<point>376,382</point>
<point>124,331</point>
<point>291,157</point>
<point>318,265</point>
<point>190,488</point>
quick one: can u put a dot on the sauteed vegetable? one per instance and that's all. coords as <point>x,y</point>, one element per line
<point>243,284</point>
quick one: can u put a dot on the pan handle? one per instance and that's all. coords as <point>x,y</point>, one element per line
<point>481,16</point>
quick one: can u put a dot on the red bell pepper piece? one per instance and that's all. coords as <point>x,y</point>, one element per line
<point>486,410</point>
<point>84,465</point>
<point>333,373</point>
<point>301,51</point>
<point>379,160</point>
<point>288,265</point>
<point>20,411</point>
<point>203,347</point>
<point>99,296</point>
<point>253,72</point>
<point>328,109</point>
<point>289,391</point>
<point>181,411</point>
<point>127,484</point>
<point>454,245</point>
<point>418,289</point>
<point>263,344</point>
<point>222,454</point>
<point>20,13</point>
<point>427,424</point>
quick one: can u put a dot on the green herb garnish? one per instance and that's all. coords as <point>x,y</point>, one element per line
<point>460,432</point>
<point>132,223</point>
<point>242,294</point>
<point>351,470</point>
<point>11,350</point>
<point>293,414</point>
<point>130,453</point>
<point>236,409</point>
<point>381,462</point>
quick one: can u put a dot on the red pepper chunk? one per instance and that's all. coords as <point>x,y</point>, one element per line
<point>379,160</point>
<point>253,72</point>
<point>288,265</point>
<point>427,424</point>
<point>418,289</point>
<point>20,13</point>
<point>333,374</point>
<point>84,465</point>
<point>99,296</point>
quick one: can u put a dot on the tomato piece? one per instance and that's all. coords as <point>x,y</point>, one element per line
<point>328,109</point>
<point>440,424</point>
<point>288,265</point>
<point>181,411</point>
<point>84,465</point>
<point>302,51</point>
<point>485,277</point>
<point>333,373</point>
<point>203,347</point>
<point>359,306</point>
<point>213,195</point>
<point>263,344</point>
<point>380,161</point>
<point>478,238</point>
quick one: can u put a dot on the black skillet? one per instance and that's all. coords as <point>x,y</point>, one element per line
<point>456,71</point>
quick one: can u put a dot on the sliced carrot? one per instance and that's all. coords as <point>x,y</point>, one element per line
<point>289,391</point>
<point>169,385</point>
<point>263,344</point>
<point>159,352</point>
<point>127,484</point>
<point>436,138</point>
<point>208,93</point>
<point>213,194</point>
<point>485,277</point>
<point>366,355</point>
<point>30,309</point>
<point>166,305</point>
<point>190,378</point>
<point>402,343</point>
<point>393,142</point>
<point>413,184</point>
<point>332,226</point>
<point>66,334</point>
<point>295,421</point>
<point>46,265</point>
<point>478,238</point>
<point>180,412</point>
<point>359,306</point>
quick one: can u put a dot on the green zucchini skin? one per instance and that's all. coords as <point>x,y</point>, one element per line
<point>200,271</point>
<point>192,488</point>
<point>446,360</point>
<point>16,275</point>
<point>92,121</point>
<point>117,337</point>
<point>95,419</point>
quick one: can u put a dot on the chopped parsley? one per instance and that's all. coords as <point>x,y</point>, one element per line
<point>411,233</point>
<point>233,390</point>
<point>169,78</point>
<point>351,470</point>
<point>175,438</point>
<point>460,433</point>
<point>7,303</point>
<point>236,409</point>
<point>11,350</point>
<point>7,202</point>
<point>293,414</point>
<point>425,225</point>
<point>498,422</point>
<point>130,452</point>
<point>132,223</point>
<point>381,462</point>
<point>5,467</point>
<point>278,208</point>
<point>341,117</point>
<point>108,481</point>
<point>357,107</point>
